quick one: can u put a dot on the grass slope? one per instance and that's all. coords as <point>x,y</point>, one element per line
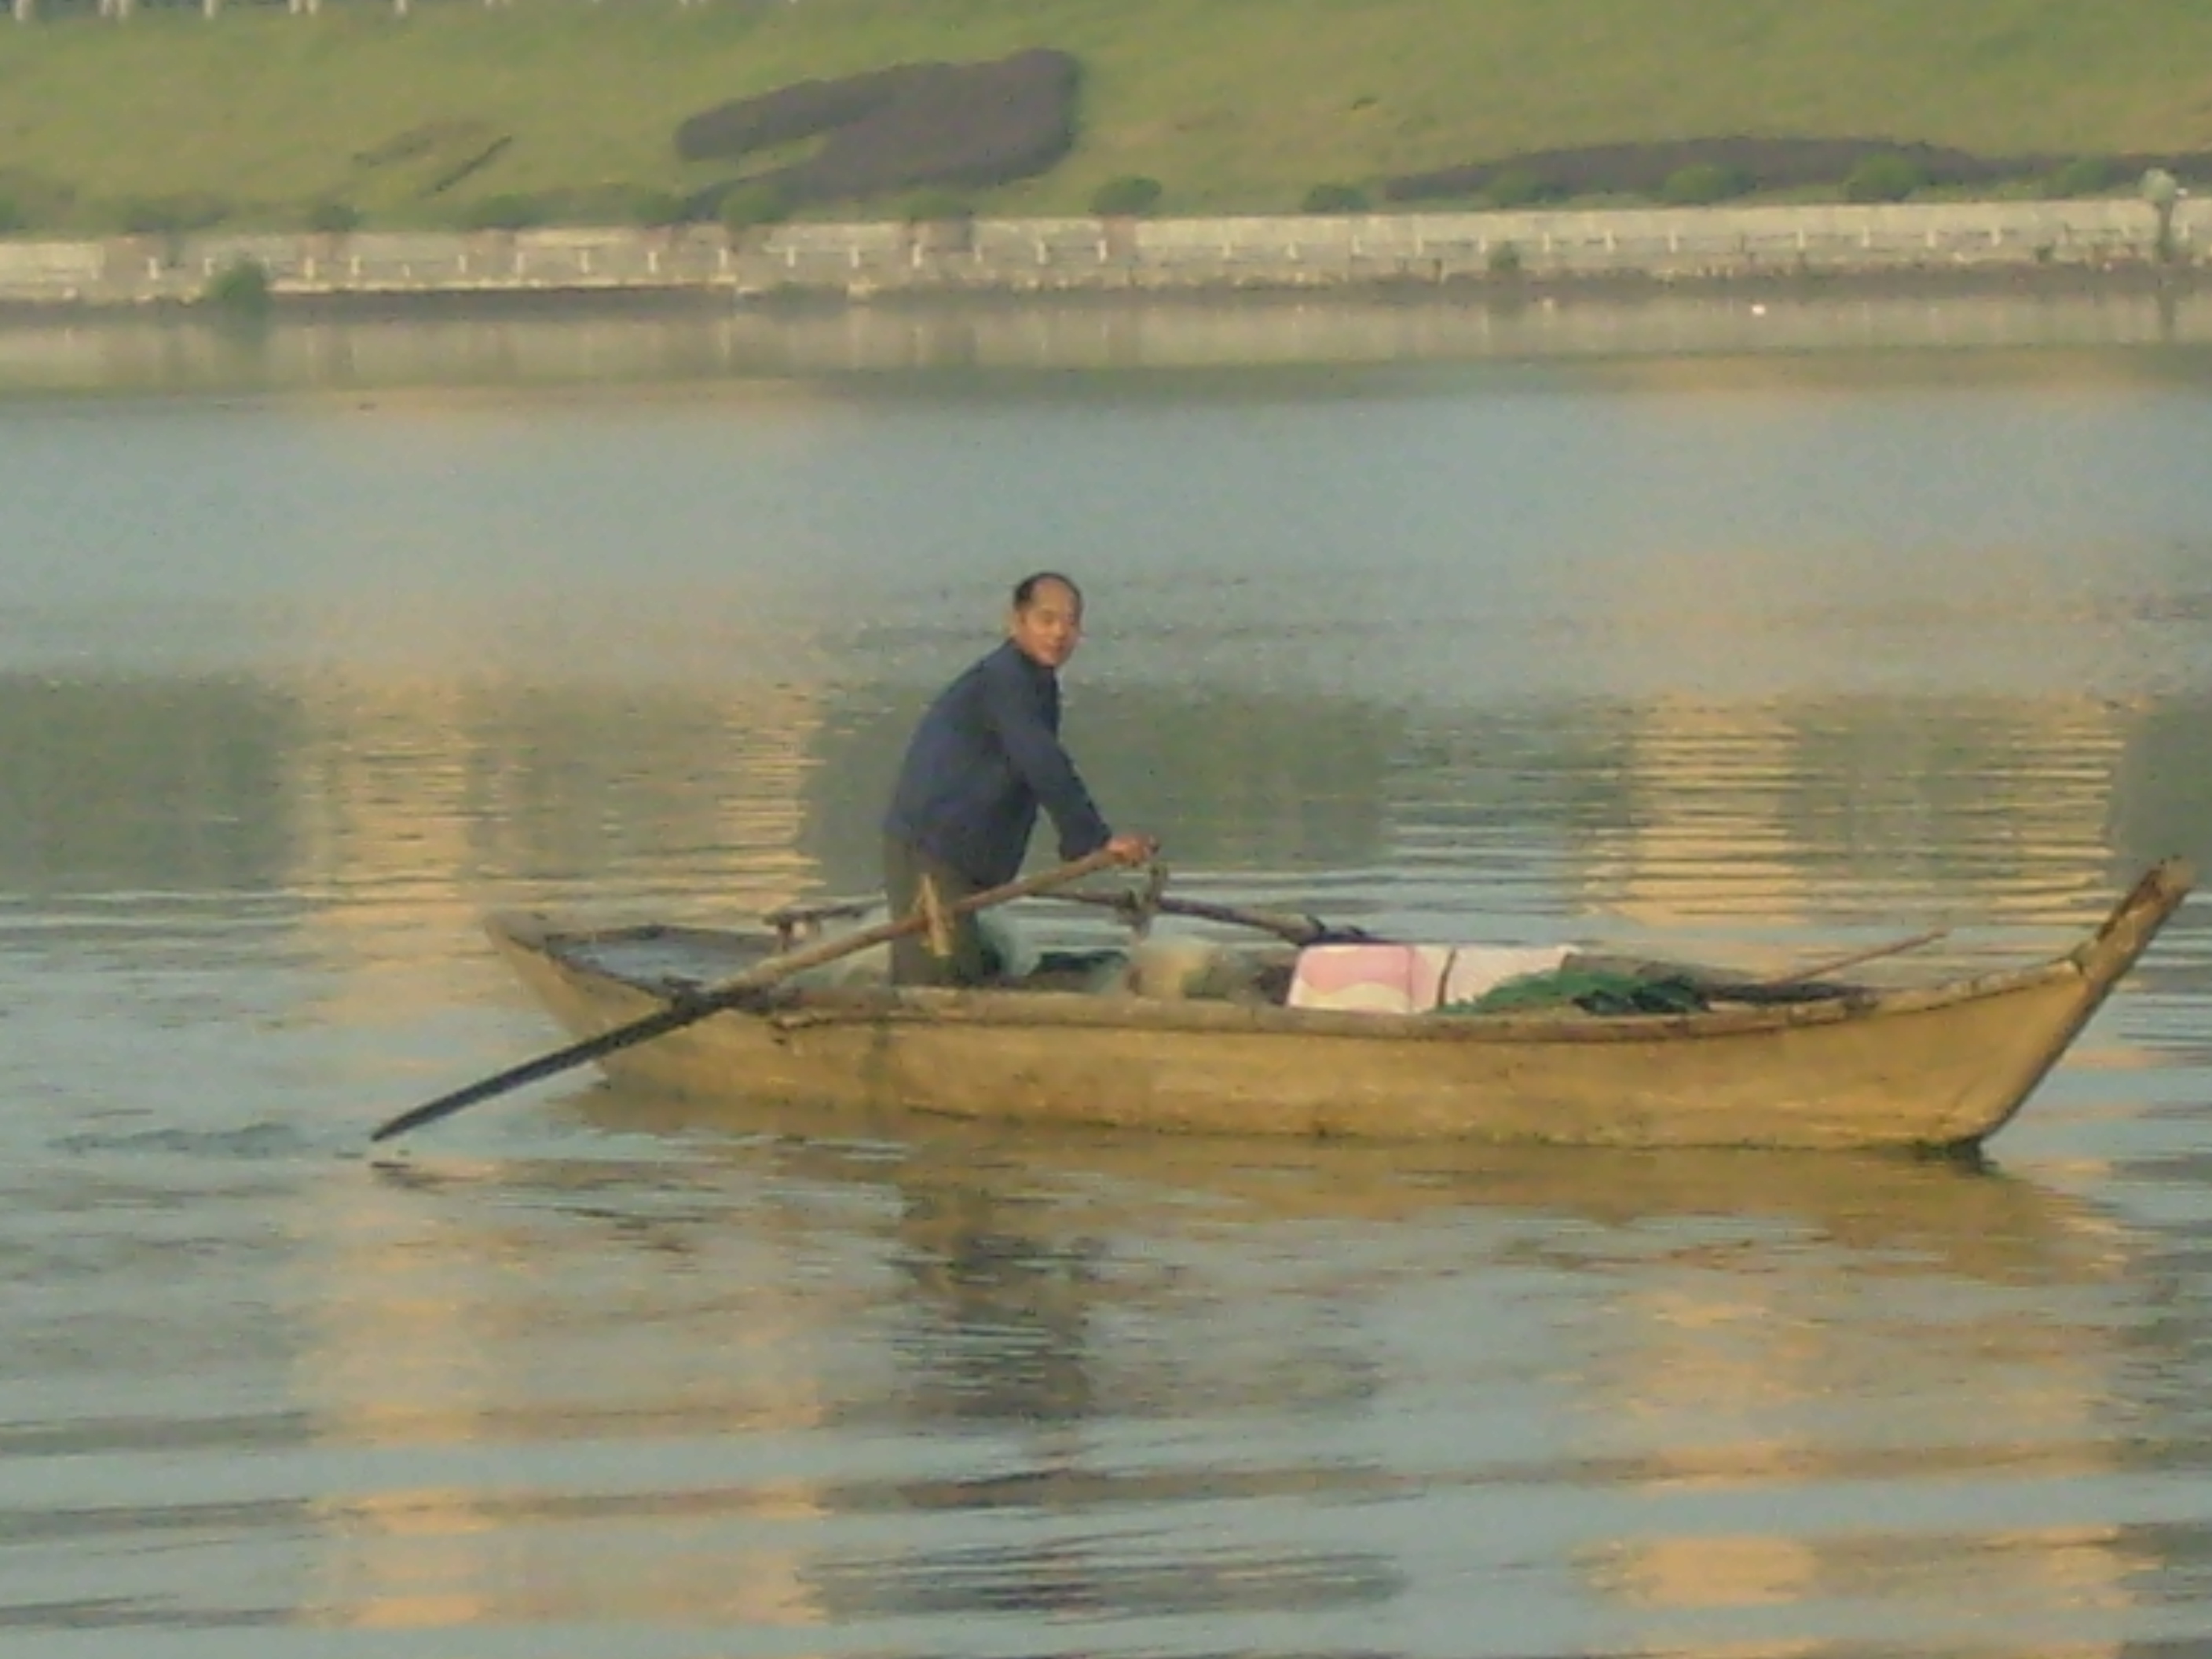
<point>1234,105</point>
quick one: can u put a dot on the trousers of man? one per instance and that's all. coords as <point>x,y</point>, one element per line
<point>914,960</point>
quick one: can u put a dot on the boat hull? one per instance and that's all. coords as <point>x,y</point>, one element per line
<point>1942,1066</point>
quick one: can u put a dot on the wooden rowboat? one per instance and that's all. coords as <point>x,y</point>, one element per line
<point>1817,1064</point>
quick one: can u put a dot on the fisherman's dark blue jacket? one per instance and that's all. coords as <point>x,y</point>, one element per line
<point>983,759</point>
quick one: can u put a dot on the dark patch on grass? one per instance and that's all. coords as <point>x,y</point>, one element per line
<point>949,125</point>
<point>467,166</point>
<point>805,109</point>
<point>428,161</point>
<point>433,138</point>
<point>1768,164</point>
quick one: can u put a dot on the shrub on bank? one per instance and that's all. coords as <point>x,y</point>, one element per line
<point>1704,183</point>
<point>2085,175</point>
<point>1890,177</point>
<point>170,215</point>
<point>935,206</point>
<point>1335,198</point>
<point>656,209</point>
<point>240,289</point>
<point>1516,187</point>
<point>511,210</point>
<point>755,203</point>
<point>333,218</point>
<point>33,201</point>
<point>1126,198</point>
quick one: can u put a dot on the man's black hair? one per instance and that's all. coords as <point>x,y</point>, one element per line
<point>1025,590</point>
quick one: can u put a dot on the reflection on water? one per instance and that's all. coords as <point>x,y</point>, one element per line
<point>676,347</point>
<point>421,805</point>
<point>979,1376</point>
<point>1470,624</point>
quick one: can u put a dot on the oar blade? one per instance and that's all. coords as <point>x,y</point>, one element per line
<point>561,1060</point>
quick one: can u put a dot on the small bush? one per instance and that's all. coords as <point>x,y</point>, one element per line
<point>1514,187</point>
<point>509,211</point>
<point>333,218</point>
<point>746,206</point>
<point>1887,177</point>
<point>240,289</point>
<point>1505,259</point>
<point>1125,198</point>
<point>169,216</point>
<point>37,200</point>
<point>933,205</point>
<point>1703,183</point>
<point>2085,175</point>
<point>1335,198</point>
<point>12,219</point>
<point>656,209</point>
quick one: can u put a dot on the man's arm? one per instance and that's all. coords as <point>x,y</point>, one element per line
<point>1011,704</point>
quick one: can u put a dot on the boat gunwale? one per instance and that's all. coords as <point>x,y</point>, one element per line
<point>816,1007</point>
<point>2097,962</point>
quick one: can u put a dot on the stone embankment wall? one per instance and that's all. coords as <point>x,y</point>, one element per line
<point>1035,256</point>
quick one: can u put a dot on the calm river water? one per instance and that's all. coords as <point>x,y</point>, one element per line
<point>1784,631</point>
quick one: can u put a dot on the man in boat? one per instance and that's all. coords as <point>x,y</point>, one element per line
<point>984,759</point>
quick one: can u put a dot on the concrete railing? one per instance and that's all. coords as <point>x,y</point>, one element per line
<point>1084,255</point>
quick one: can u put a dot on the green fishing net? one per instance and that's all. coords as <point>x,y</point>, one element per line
<point>1595,991</point>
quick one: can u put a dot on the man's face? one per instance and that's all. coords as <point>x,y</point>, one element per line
<point>1046,630</point>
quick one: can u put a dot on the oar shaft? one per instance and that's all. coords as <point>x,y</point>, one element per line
<point>1872,953</point>
<point>1297,930</point>
<point>729,994</point>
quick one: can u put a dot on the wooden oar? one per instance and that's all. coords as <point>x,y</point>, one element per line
<point>1297,930</point>
<point>1872,953</point>
<point>730,994</point>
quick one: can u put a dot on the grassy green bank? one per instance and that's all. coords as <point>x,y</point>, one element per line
<point>1234,105</point>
